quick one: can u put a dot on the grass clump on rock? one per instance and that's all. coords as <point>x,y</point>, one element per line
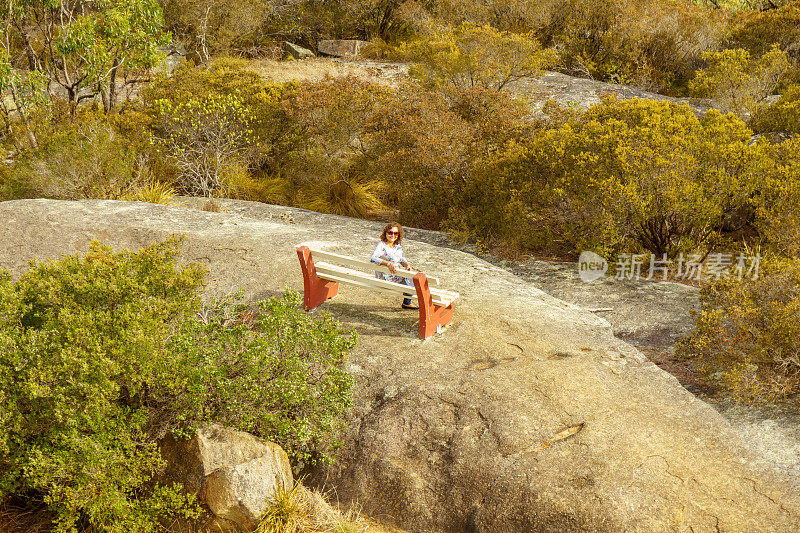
<point>105,354</point>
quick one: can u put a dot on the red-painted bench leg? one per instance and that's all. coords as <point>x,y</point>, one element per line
<point>430,316</point>
<point>315,290</point>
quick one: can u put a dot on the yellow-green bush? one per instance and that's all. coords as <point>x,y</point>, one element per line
<point>737,82</point>
<point>778,215</point>
<point>782,116</point>
<point>758,30</point>
<point>746,339</point>
<point>470,56</point>
<point>217,128</point>
<point>624,175</point>
<point>208,141</point>
<point>648,43</point>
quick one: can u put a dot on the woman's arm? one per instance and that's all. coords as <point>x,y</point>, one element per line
<point>377,255</point>
<point>403,261</point>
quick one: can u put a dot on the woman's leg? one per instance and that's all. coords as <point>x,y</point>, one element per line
<point>407,302</point>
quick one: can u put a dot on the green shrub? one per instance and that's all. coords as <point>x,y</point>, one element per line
<point>84,157</point>
<point>274,372</point>
<point>746,339</point>
<point>105,354</point>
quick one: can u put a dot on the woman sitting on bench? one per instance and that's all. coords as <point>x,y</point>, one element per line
<point>389,253</point>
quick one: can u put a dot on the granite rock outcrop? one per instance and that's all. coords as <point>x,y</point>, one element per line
<point>526,414</point>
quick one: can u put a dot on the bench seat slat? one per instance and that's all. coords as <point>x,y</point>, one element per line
<point>349,261</point>
<point>437,292</point>
<point>346,275</point>
<point>327,271</point>
<point>359,283</point>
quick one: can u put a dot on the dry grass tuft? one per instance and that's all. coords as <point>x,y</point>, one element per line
<point>302,510</point>
<point>298,510</point>
<point>154,192</point>
<point>212,206</point>
<point>19,516</point>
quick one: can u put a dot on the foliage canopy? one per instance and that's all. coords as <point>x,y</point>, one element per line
<point>105,354</point>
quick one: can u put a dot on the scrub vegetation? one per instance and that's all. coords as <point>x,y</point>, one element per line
<point>90,111</point>
<point>104,355</point>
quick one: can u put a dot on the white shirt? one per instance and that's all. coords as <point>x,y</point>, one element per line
<point>384,252</point>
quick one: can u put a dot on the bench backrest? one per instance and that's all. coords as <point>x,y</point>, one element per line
<point>329,257</point>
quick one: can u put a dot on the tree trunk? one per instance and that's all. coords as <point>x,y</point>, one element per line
<point>23,118</point>
<point>112,87</point>
<point>104,96</point>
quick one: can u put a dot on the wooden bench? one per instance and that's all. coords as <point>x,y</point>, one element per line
<point>323,271</point>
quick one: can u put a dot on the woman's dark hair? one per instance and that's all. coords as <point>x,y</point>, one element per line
<point>400,233</point>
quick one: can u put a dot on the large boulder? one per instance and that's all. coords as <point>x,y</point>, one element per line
<point>341,47</point>
<point>295,51</point>
<point>583,93</point>
<point>242,493</point>
<point>526,414</point>
<point>235,473</point>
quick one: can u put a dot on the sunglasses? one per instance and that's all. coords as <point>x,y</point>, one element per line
<point>392,233</point>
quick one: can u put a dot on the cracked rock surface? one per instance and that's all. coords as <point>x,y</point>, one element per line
<point>526,414</point>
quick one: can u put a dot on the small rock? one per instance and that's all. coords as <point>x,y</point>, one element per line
<point>235,473</point>
<point>390,392</point>
<point>190,461</point>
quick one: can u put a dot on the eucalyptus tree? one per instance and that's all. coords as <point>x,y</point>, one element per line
<point>84,48</point>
